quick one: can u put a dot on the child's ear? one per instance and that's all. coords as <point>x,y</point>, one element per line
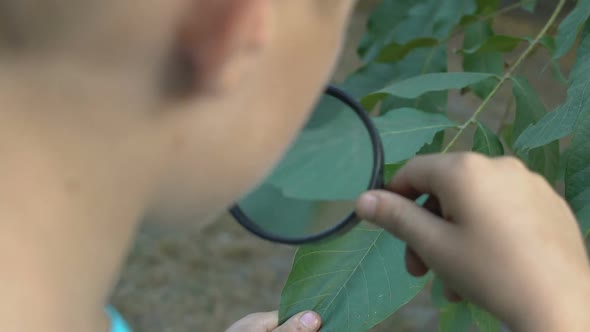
<point>216,33</point>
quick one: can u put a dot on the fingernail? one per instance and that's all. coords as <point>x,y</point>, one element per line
<point>310,320</point>
<point>368,206</point>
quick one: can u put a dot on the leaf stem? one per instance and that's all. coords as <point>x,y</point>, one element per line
<point>508,74</point>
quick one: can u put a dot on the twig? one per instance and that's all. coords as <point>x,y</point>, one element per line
<point>508,75</point>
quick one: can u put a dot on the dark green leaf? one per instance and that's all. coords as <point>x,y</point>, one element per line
<point>497,43</point>
<point>569,28</point>
<point>577,173</point>
<point>561,122</point>
<point>396,52</point>
<point>405,131</point>
<point>354,282</point>
<point>529,110</point>
<point>401,21</point>
<point>486,142</point>
<point>487,6</point>
<point>487,62</point>
<point>583,217</point>
<point>416,86</point>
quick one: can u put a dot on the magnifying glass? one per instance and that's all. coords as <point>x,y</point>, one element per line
<point>311,194</point>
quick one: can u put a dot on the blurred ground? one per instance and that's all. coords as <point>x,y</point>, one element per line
<point>204,279</point>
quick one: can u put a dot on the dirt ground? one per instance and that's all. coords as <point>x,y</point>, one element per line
<point>205,278</point>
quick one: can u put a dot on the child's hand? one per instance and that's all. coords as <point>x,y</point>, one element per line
<point>267,322</point>
<point>495,233</point>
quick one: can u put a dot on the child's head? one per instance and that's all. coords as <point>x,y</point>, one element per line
<point>191,101</point>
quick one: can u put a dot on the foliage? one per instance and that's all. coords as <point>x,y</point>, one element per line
<point>358,280</point>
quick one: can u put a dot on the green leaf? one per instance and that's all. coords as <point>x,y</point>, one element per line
<point>484,320</point>
<point>549,43</point>
<point>405,131</point>
<point>487,6</point>
<point>561,122</point>
<point>569,28</point>
<point>484,62</point>
<point>402,21</point>
<point>486,142</point>
<point>455,318</point>
<point>340,149</point>
<point>529,110</point>
<point>583,217</point>
<point>390,170</point>
<point>416,86</point>
<point>257,207</point>
<point>529,5</point>
<point>497,43</point>
<point>354,282</point>
<point>460,317</point>
<point>395,52</point>
<point>577,173</point>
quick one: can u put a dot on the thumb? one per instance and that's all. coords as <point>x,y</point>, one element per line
<point>425,232</point>
<point>304,322</point>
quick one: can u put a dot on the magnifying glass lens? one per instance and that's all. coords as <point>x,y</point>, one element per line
<point>314,188</point>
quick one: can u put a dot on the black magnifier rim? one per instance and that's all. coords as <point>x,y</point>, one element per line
<point>352,219</point>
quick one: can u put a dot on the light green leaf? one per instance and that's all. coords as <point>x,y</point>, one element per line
<point>416,86</point>
<point>486,142</point>
<point>577,173</point>
<point>354,282</point>
<point>529,110</point>
<point>529,5</point>
<point>561,122</point>
<point>395,52</point>
<point>405,131</point>
<point>569,28</point>
<point>484,62</point>
<point>497,43</point>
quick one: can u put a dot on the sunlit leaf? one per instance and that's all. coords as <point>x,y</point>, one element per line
<point>354,282</point>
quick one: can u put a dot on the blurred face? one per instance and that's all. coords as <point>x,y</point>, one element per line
<point>228,139</point>
<point>199,97</point>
